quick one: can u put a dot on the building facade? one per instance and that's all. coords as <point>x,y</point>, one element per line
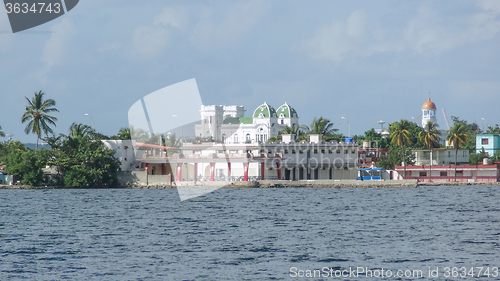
<point>441,156</point>
<point>229,125</point>
<point>489,142</point>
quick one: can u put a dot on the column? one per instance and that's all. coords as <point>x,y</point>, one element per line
<point>212,171</point>
<point>195,171</point>
<point>229,171</point>
<point>245,171</point>
<point>262,170</point>
<point>278,167</point>
<point>179,171</point>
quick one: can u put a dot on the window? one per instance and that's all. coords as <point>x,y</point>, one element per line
<point>315,151</point>
<point>235,138</point>
<point>449,153</point>
<point>330,152</point>
<point>322,151</point>
<point>353,151</point>
<point>460,173</point>
<point>286,151</point>
<point>248,137</point>
<point>337,151</point>
<point>443,174</point>
<point>223,137</point>
<point>301,152</point>
<point>282,121</point>
<point>423,174</point>
<point>293,151</point>
<point>464,153</point>
<point>270,151</point>
<point>484,141</point>
<point>346,151</point>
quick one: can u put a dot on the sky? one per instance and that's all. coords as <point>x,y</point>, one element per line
<point>362,60</point>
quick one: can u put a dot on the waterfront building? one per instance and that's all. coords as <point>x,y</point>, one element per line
<point>489,142</point>
<point>441,156</point>
<point>212,161</point>
<point>229,125</point>
<point>440,173</point>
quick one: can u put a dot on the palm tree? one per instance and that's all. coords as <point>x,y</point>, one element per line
<point>80,130</point>
<point>2,134</point>
<point>401,135</point>
<point>124,134</point>
<point>430,135</point>
<point>457,135</point>
<point>319,126</point>
<point>293,130</point>
<point>37,115</point>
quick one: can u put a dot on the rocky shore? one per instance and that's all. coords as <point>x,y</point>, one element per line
<point>282,184</point>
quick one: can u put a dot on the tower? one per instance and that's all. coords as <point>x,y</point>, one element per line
<point>428,112</point>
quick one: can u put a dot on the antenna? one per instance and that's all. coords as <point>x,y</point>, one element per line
<point>446,119</point>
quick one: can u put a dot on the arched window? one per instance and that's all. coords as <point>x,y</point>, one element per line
<point>248,137</point>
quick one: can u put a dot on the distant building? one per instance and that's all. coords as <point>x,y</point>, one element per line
<point>228,124</point>
<point>490,143</point>
<point>441,156</point>
<point>428,112</point>
<point>439,173</point>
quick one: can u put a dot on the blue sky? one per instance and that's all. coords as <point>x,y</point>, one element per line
<point>364,60</point>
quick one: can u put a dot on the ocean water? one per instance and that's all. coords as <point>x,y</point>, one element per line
<point>251,234</point>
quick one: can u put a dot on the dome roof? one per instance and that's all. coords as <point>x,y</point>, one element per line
<point>266,110</point>
<point>429,105</point>
<point>287,111</point>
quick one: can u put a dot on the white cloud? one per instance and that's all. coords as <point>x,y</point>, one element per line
<point>171,17</point>
<point>430,31</point>
<point>59,42</point>
<point>336,40</point>
<point>150,41</point>
<point>239,20</point>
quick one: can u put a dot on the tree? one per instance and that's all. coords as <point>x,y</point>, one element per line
<point>430,136</point>
<point>493,130</point>
<point>294,130</point>
<point>80,130</point>
<point>2,134</point>
<point>27,165</point>
<point>476,158</point>
<point>457,136</point>
<point>394,157</point>
<point>472,130</point>
<point>319,126</point>
<point>400,136</point>
<point>85,162</point>
<point>37,116</point>
<point>124,134</point>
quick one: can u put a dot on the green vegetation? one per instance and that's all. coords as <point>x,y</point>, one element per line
<point>431,137</point>
<point>400,136</point>
<point>2,134</point>
<point>80,158</point>
<point>457,136</point>
<point>37,115</point>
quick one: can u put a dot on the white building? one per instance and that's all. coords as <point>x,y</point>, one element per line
<point>441,156</point>
<point>228,124</point>
<point>428,113</point>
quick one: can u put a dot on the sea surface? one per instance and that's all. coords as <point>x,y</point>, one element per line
<point>250,234</point>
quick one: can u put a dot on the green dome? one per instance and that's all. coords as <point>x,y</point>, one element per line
<point>266,110</point>
<point>287,111</point>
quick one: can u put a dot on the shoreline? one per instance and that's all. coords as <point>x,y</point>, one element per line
<point>276,184</point>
